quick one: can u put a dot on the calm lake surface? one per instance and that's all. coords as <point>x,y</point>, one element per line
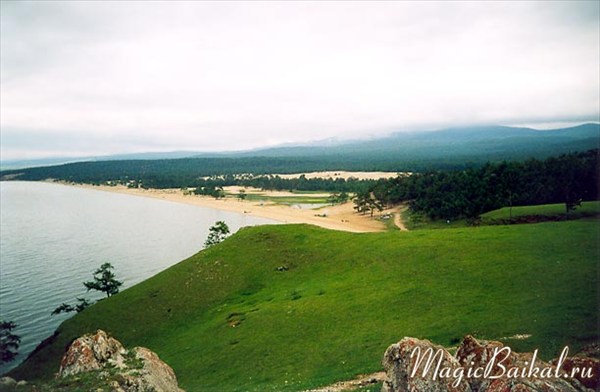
<point>53,237</point>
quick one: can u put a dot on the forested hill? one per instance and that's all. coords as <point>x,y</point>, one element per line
<point>569,178</point>
<point>169,173</point>
<point>451,149</point>
<point>452,146</point>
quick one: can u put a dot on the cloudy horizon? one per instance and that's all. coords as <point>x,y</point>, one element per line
<point>91,78</point>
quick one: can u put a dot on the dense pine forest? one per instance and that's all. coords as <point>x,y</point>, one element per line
<point>438,194</point>
<point>569,179</point>
<point>448,149</point>
<point>275,182</point>
<point>167,173</point>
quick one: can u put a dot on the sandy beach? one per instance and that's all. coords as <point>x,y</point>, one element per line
<point>343,174</point>
<point>340,217</point>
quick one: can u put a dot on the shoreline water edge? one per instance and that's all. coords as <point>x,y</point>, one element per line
<point>339,217</point>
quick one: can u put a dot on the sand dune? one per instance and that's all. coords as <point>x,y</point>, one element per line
<point>339,217</point>
<point>342,174</point>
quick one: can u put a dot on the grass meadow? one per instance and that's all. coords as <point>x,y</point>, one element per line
<point>227,319</point>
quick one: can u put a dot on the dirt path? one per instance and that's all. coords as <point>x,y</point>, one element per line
<point>360,381</point>
<point>398,218</point>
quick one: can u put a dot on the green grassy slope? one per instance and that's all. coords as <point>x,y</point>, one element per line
<point>502,215</point>
<point>300,199</point>
<point>587,208</point>
<point>227,320</point>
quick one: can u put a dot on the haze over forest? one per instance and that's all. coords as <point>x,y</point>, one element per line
<point>85,79</point>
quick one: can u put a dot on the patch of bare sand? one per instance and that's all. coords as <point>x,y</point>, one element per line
<point>342,174</point>
<point>340,217</point>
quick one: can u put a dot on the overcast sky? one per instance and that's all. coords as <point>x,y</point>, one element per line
<point>89,78</point>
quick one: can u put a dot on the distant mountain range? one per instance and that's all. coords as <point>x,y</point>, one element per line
<point>23,163</point>
<point>497,141</point>
<point>437,148</point>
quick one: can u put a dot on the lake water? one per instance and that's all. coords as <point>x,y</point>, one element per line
<point>53,237</point>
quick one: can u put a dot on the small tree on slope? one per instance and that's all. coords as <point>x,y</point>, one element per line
<point>9,342</point>
<point>104,280</point>
<point>217,233</point>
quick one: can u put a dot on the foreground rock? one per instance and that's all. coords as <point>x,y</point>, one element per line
<point>92,352</point>
<point>399,363</point>
<point>136,370</point>
<point>6,382</point>
<point>9,384</point>
<point>589,357</point>
<point>481,366</point>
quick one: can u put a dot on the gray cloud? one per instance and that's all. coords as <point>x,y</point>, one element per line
<point>230,75</point>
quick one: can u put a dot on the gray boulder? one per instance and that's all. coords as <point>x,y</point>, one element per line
<point>91,352</point>
<point>414,365</point>
<point>473,353</point>
<point>139,369</point>
<point>405,364</point>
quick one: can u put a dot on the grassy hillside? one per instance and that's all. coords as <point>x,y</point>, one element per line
<point>227,320</point>
<point>587,208</point>
<point>415,221</point>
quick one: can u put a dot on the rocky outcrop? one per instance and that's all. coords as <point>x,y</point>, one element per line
<point>92,352</point>
<point>400,363</point>
<point>10,384</point>
<point>480,354</point>
<point>155,371</point>
<point>6,382</point>
<point>135,370</point>
<point>473,353</point>
<point>588,358</point>
<point>481,366</point>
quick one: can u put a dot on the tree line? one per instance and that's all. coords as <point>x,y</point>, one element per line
<point>465,191</point>
<point>200,172</point>
<point>277,183</point>
<point>568,179</point>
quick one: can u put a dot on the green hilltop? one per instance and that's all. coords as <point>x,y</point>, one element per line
<point>229,319</point>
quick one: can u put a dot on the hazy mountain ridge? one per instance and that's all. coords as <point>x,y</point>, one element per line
<point>477,142</point>
<point>464,135</point>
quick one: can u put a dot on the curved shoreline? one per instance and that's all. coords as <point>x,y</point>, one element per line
<point>340,217</point>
